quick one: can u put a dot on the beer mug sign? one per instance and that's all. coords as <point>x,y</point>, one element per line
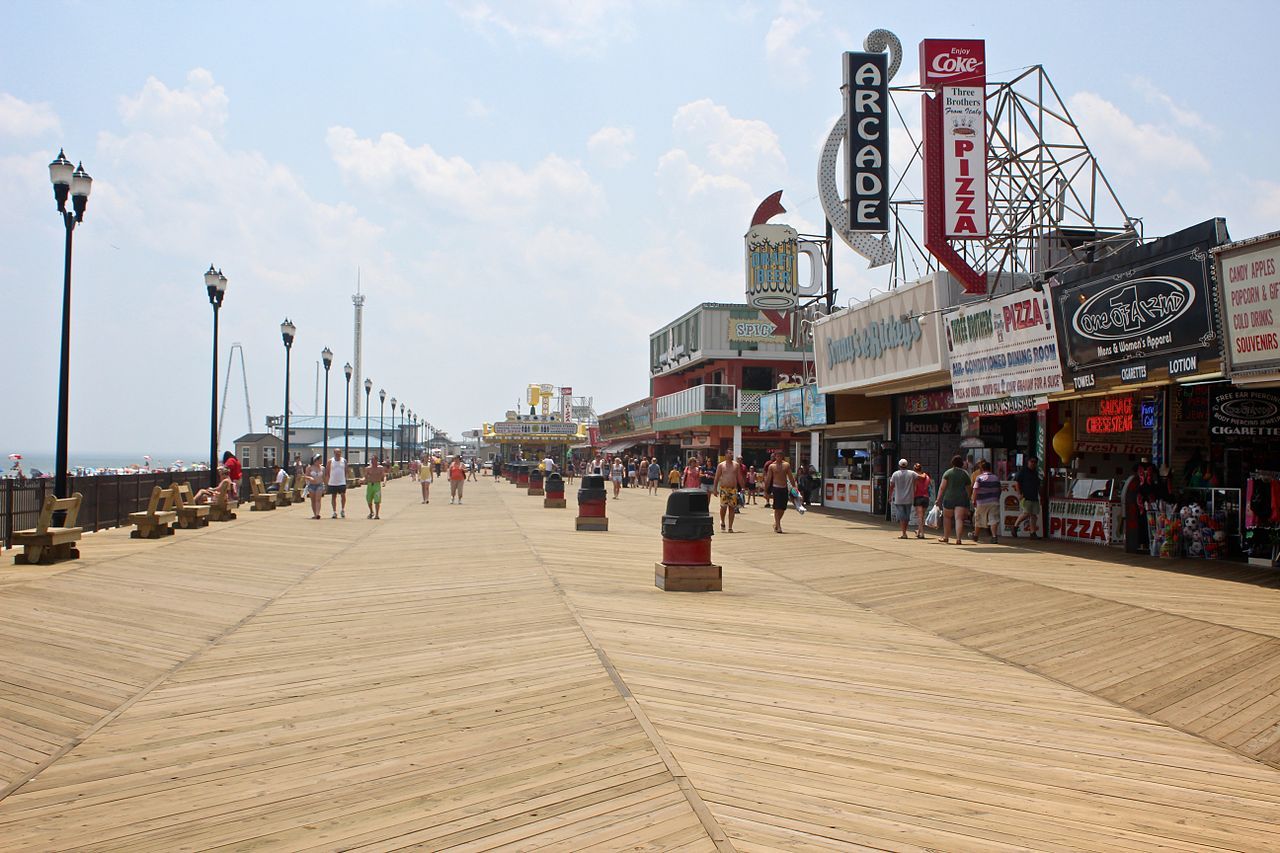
<point>773,282</point>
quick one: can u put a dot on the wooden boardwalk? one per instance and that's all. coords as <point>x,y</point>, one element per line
<point>483,677</point>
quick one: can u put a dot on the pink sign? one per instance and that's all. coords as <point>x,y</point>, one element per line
<point>953,62</point>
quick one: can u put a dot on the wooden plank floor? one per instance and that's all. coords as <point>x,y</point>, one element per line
<point>483,677</point>
<point>1211,678</point>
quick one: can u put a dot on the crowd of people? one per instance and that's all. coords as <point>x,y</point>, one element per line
<point>735,484</point>
<point>967,492</point>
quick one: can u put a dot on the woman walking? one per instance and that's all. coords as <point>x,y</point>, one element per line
<point>923,482</point>
<point>953,497</point>
<point>315,485</point>
<point>425,477</point>
<point>457,479</point>
<point>616,473</point>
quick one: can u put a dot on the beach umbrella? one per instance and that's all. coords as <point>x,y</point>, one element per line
<point>15,455</point>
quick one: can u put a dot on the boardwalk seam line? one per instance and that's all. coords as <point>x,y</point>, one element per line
<point>14,786</point>
<point>714,831</point>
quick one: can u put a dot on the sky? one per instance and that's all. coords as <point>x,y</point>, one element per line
<point>526,190</point>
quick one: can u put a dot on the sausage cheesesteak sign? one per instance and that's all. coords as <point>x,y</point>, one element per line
<point>1142,309</point>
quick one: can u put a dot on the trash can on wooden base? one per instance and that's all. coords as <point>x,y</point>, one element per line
<point>686,545</point>
<point>591,498</point>
<point>535,481</point>
<point>554,487</point>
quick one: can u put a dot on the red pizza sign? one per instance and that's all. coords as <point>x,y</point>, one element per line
<point>953,62</point>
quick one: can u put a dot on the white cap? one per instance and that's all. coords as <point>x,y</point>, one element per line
<point>902,463</point>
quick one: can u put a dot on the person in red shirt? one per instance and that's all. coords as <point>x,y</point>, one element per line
<point>234,471</point>
<point>457,478</point>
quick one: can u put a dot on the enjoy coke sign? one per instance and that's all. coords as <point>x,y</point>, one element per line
<point>953,62</point>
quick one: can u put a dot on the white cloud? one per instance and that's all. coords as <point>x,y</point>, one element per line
<point>784,43</point>
<point>573,26</point>
<point>1124,145</point>
<point>202,103</point>
<point>19,118</point>
<point>1183,116</point>
<point>738,146</point>
<point>612,145</point>
<point>477,108</point>
<point>553,187</point>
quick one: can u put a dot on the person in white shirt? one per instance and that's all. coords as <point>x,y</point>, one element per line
<point>282,477</point>
<point>336,481</point>
<point>425,478</point>
<point>548,465</point>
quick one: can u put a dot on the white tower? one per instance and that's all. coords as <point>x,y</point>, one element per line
<point>357,386</point>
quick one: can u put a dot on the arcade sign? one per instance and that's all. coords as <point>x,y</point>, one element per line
<point>866,93</point>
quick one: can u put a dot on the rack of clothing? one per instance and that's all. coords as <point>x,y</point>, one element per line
<point>1262,517</point>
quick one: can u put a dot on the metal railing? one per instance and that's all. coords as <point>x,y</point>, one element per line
<point>108,498</point>
<point>696,400</point>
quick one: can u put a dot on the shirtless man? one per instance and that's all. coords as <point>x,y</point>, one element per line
<point>728,479</point>
<point>374,474</point>
<point>777,479</point>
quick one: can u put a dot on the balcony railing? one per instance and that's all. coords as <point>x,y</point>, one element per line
<point>697,400</point>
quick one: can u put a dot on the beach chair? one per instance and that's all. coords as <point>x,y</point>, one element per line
<point>158,518</point>
<point>46,544</point>
<point>190,515</point>
<point>262,499</point>
<point>223,506</point>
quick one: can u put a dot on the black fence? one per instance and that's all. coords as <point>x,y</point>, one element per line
<point>108,498</point>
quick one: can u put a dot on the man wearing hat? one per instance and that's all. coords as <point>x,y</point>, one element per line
<point>902,493</point>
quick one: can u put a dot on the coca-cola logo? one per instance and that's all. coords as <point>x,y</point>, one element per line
<point>1135,307</point>
<point>945,65</point>
<point>1248,409</point>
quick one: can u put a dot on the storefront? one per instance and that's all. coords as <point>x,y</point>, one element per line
<point>868,358</point>
<point>1139,333</point>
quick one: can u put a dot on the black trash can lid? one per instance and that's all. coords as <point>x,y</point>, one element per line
<point>689,502</point>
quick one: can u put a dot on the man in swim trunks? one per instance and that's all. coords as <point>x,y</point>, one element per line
<point>777,478</point>
<point>374,474</point>
<point>727,481</point>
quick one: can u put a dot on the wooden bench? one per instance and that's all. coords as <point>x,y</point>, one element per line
<point>45,544</point>
<point>190,515</point>
<point>158,519</point>
<point>223,506</point>
<point>262,499</point>
<point>299,488</point>
<point>283,495</point>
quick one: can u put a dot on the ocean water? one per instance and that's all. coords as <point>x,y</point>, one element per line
<point>43,461</point>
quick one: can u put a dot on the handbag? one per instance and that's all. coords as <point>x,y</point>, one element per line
<point>934,517</point>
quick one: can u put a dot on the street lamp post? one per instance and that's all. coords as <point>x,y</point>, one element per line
<point>287,332</point>
<point>77,184</point>
<point>382,409</point>
<point>408,450</point>
<point>401,457</point>
<point>346,418</point>
<point>326,355</point>
<point>368,386</point>
<point>393,430</point>
<point>216,284</point>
